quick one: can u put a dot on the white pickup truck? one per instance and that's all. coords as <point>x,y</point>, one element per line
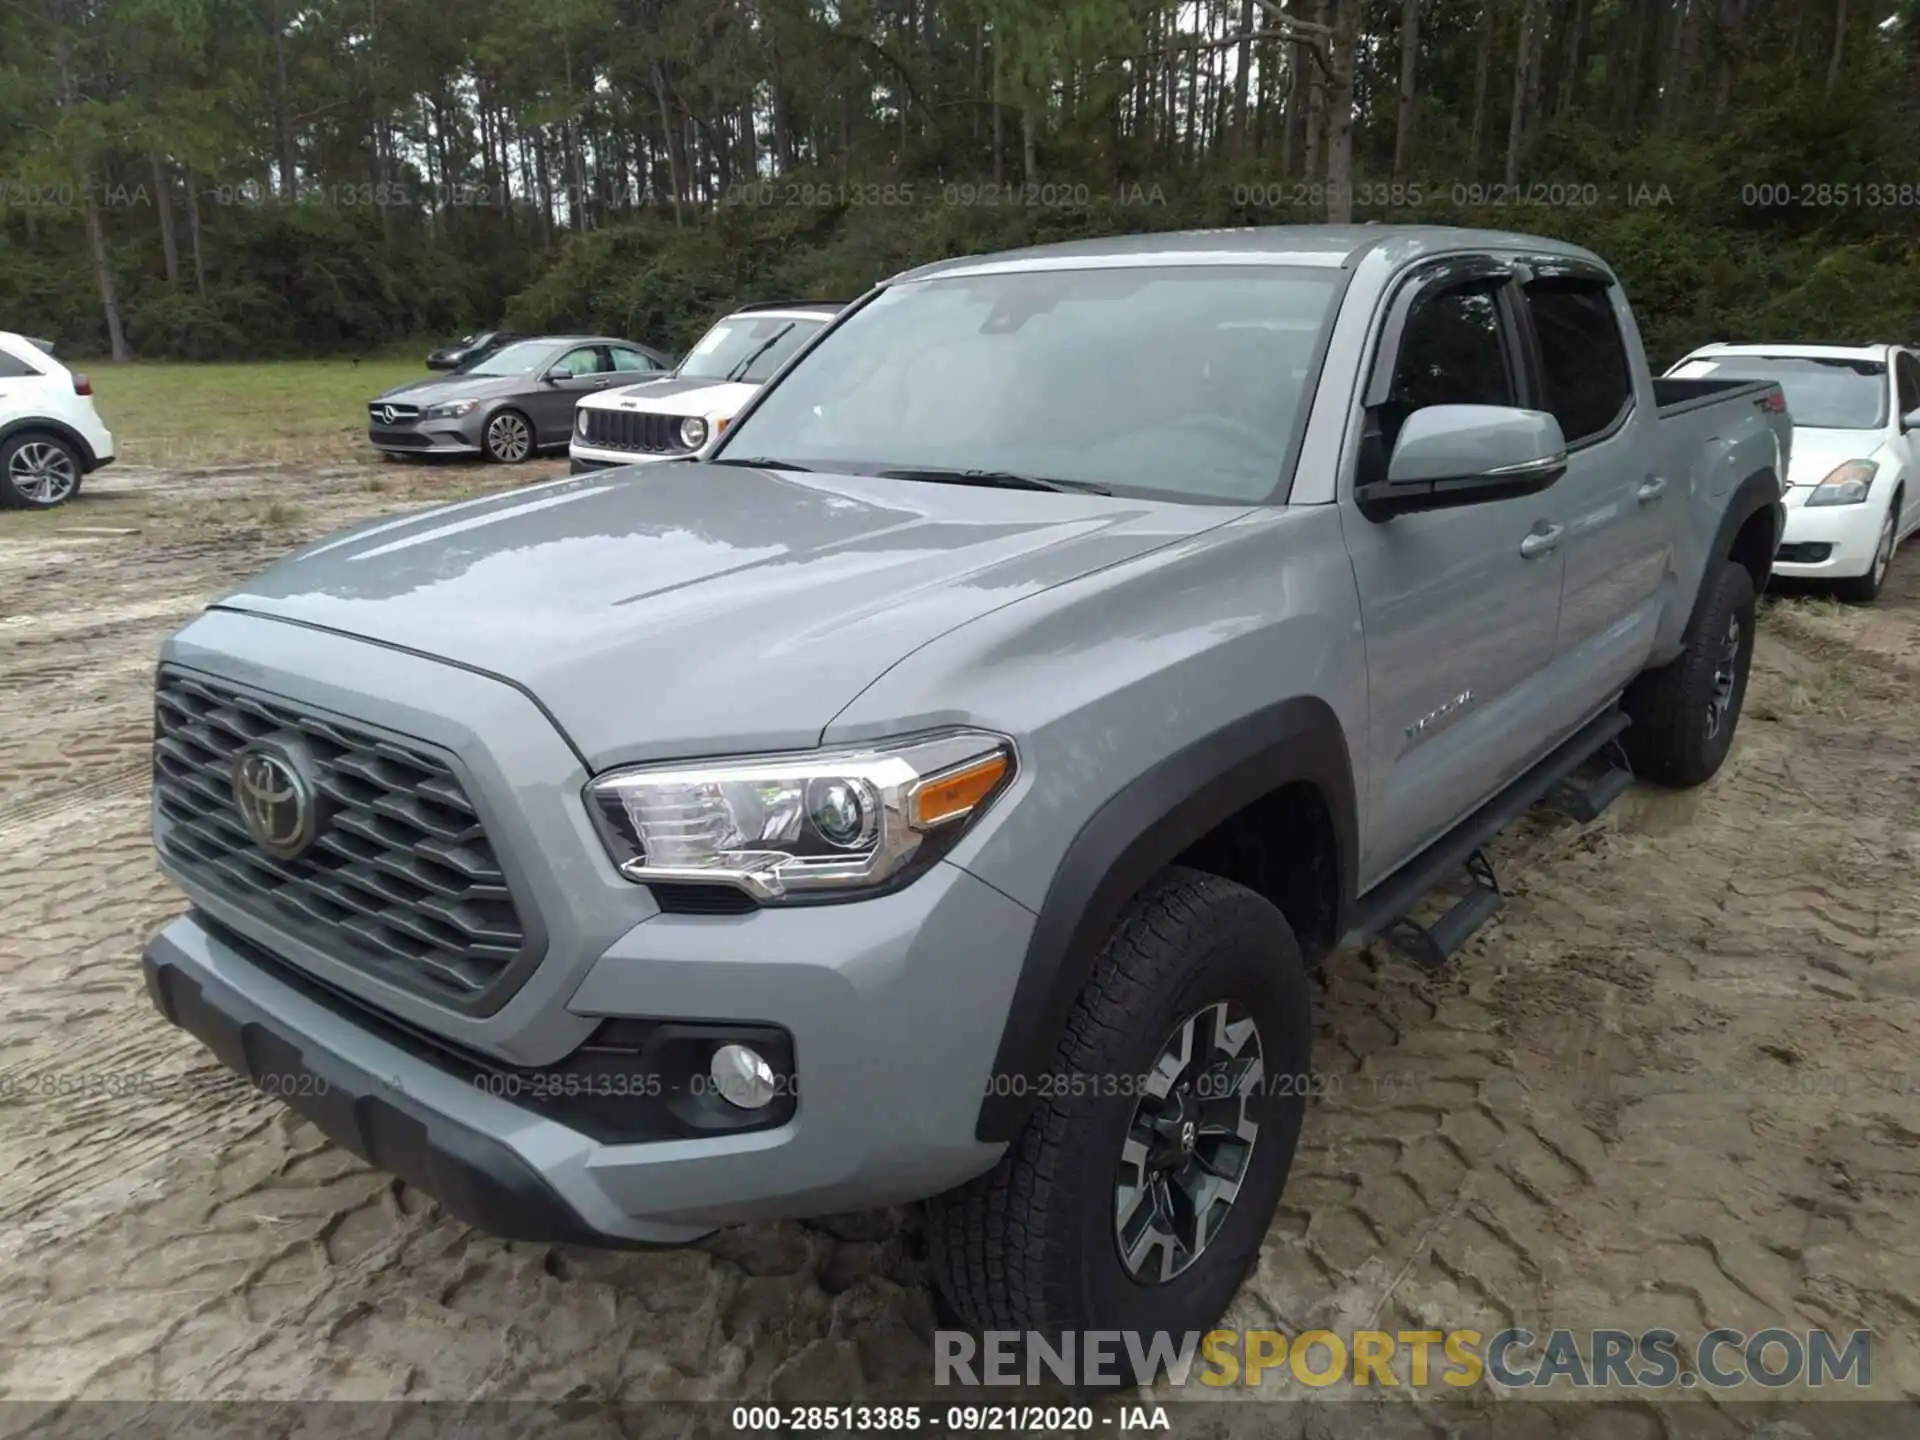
<point>673,417</point>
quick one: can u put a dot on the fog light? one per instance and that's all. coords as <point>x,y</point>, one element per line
<point>743,1078</point>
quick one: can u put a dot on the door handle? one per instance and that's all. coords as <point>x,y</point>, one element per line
<point>1650,490</point>
<point>1541,542</point>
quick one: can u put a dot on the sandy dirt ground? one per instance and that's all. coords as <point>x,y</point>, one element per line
<point>1674,1084</point>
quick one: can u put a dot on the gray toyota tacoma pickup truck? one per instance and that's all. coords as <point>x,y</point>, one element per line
<point>940,790</point>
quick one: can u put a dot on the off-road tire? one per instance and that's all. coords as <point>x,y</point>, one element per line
<point>1865,589</point>
<point>1031,1245</point>
<point>1670,740</point>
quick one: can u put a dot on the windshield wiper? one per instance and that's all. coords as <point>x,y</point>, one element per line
<point>739,371</point>
<point>997,479</point>
<point>762,462</point>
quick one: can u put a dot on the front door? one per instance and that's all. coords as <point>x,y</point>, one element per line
<point>1460,604</point>
<point>582,371</point>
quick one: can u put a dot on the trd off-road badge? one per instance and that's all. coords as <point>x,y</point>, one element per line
<point>275,801</point>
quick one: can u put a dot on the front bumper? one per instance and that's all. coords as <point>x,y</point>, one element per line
<point>433,438</point>
<point>417,1124</point>
<point>1849,531</point>
<point>584,458</point>
<point>895,1014</point>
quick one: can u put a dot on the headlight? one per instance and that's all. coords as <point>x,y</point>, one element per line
<point>448,409</point>
<point>693,432</point>
<point>784,827</point>
<point>1846,484</point>
<point>579,420</point>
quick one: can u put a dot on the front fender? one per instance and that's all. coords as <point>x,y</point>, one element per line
<point>1138,832</point>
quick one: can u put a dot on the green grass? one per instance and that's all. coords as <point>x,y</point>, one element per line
<point>183,415</point>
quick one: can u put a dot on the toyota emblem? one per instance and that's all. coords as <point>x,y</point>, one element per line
<point>275,801</point>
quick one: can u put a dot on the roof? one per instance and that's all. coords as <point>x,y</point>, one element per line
<point>1878,351</point>
<point>1320,246</point>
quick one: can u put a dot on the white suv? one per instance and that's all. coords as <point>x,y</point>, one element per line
<point>50,434</point>
<point>1855,475</point>
<point>675,416</point>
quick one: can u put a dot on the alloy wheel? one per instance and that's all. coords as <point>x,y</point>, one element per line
<point>1726,675</point>
<point>1883,551</point>
<point>43,473</point>
<point>508,438</point>
<point>1190,1142</point>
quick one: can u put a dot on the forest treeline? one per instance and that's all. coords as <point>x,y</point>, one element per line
<point>251,178</point>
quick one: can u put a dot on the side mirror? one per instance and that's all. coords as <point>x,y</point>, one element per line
<point>555,377</point>
<point>1450,455</point>
<point>1911,420</point>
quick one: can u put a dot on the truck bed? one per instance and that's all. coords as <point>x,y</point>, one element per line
<point>1676,397</point>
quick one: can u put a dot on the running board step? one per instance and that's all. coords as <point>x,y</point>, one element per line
<point>1586,801</point>
<point>1383,912</point>
<point>1430,946</point>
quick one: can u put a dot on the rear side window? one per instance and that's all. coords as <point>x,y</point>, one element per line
<point>1583,357</point>
<point>13,368</point>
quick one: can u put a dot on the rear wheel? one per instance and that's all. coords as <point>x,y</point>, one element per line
<point>1865,589</point>
<point>38,471</point>
<point>1138,1193</point>
<point>1684,714</point>
<point>508,438</point>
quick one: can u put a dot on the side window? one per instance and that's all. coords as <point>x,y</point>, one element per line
<point>1583,357</point>
<point>584,361</point>
<point>624,359</point>
<point>1906,371</point>
<point>13,368</point>
<point>1453,351</point>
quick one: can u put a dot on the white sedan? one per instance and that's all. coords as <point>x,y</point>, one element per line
<point>1855,471</point>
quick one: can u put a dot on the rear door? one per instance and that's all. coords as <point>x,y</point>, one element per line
<point>1460,605</point>
<point>1617,509</point>
<point>21,386</point>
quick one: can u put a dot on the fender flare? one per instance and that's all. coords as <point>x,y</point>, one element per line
<point>1759,491</point>
<point>89,462</point>
<point>1132,837</point>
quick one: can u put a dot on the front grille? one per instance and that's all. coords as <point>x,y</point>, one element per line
<point>634,430</point>
<point>401,439</point>
<point>400,871</point>
<point>376,412</point>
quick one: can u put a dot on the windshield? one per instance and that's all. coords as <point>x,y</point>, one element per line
<point>526,357</point>
<point>1823,392</point>
<point>1184,382</point>
<point>723,348</point>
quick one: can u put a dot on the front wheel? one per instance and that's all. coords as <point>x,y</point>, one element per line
<point>508,438</point>
<point>1865,589</point>
<point>1137,1194</point>
<point>1684,714</point>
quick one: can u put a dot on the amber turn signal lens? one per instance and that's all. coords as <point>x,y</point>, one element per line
<point>947,797</point>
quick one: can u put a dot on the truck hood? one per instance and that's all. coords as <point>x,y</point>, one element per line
<point>702,609</point>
